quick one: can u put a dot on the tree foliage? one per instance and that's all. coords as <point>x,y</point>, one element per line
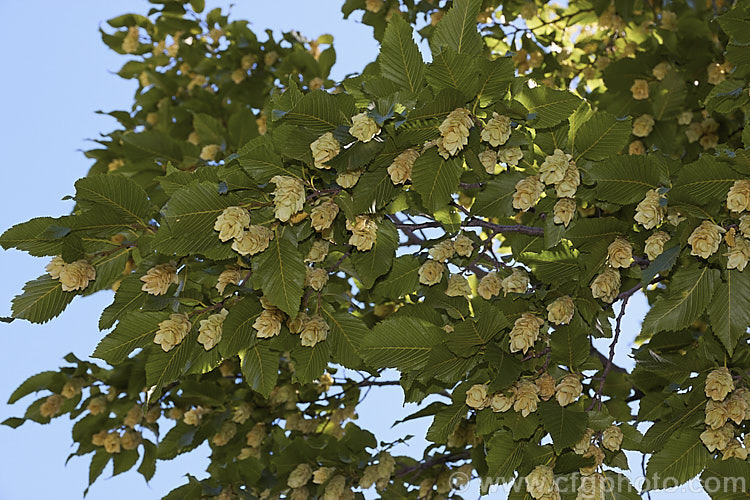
<point>473,222</point>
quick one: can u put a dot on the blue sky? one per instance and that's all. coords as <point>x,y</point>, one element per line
<point>54,82</point>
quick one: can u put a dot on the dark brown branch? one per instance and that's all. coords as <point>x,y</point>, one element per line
<point>610,362</point>
<point>453,457</point>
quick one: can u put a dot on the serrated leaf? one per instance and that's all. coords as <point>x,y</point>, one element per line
<point>450,70</point>
<point>320,111</point>
<point>402,279</point>
<point>374,190</point>
<point>35,383</point>
<point>547,106</point>
<point>496,199</point>
<point>435,179</point>
<point>504,455</point>
<point>682,458</point>
<point>124,461</point>
<point>345,335</point>
<point>495,80</point>
<point>117,194</point>
<point>625,179</point>
<point>660,265</point>
<point>310,362</point>
<point>689,293</point>
<point>570,345</point>
<point>260,367</point>
<point>42,299</point>
<point>98,462</point>
<point>704,180</point>
<point>619,487</point>
<point>280,272</point>
<point>401,342</point>
<point>601,136</point>
<point>208,128</point>
<point>446,366</point>
<point>373,263</point>
<point>730,309</point>
<point>400,60</point>
<point>135,330</point>
<point>668,96</point>
<point>260,162</point>
<point>566,425</point>
<point>33,236</point>
<point>129,297</point>
<point>148,464</point>
<point>445,422</point>
<point>151,145</point>
<point>237,331</point>
<point>458,29</point>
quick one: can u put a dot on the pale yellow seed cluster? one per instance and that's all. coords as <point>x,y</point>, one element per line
<point>612,438</point>
<point>209,152</point>
<point>516,282</point>
<point>458,286</point>
<point>726,405</point>
<point>349,178</point>
<point>510,156</point>
<point>639,89</point>
<point>660,70</point>
<point>210,329</point>
<point>525,332</point>
<point>158,279</point>
<point>442,251</point>
<point>488,159</point>
<point>650,213</point>
<point>738,254</point>
<point>288,197</point>
<point>316,278</point>
<point>324,149</point>
<point>655,244</point>
<point>268,322</point>
<point>497,131</point>
<point>606,286</point>
<point>323,215</point>
<point>73,276</point>
<point>378,474</point>
<point>363,127</point>
<point>172,331</point>
<point>559,169</point>
<point>225,434</point>
<point>194,416</point>
<point>489,286</point>
<point>643,125</point>
<point>463,245</point>
<point>527,193</point>
<point>401,168</point>
<point>431,272</point>
<point>563,211</point>
<point>704,132</point>
<point>738,197</point>
<point>561,310</point>
<point>568,390</point>
<point>232,222</point>
<point>620,253</point>
<point>231,275</point>
<point>636,148</point>
<point>454,132</point>
<point>253,241</point>
<point>541,485</point>
<point>717,73</point>
<point>51,406</point>
<point>364,232</point>
<point>592,487</point>
<point>476,397</point>
<point>130,42</point>
<point>318,251</point>
<point>705,239</point>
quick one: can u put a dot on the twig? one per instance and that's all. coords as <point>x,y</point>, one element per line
<point>453,457</point>
<point>610,360</point>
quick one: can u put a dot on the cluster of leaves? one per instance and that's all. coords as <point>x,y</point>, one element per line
<point>222,121</point>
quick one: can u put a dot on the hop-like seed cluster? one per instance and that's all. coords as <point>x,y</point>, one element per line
<point>738,197</point>
<point>643,125</point>
<point>516,282</point>
<point>489,286</point>
<point>458,286</point>
<point>431,272</point>
<point>564,210</point>
<point>649,213</point>
<point>528,191</point>
<point>157,280</point>
<point>443,251</point>
<point>130,42</point>
<point>497,131</point>
<point>540,483</point>
<point>606,286</point>
<point>561,310</point>
<point>232,222</point>
<point>210,329</point>
<point>612,438</point>
<point>172,331</point>
<point>510,156</point>
<point>288,197</point>
<point>525,332</point>
<point>231,275</point>
<point>476,397</point>
<point>739,254</point>
<point>323,215</point>
<point>705,239</point>
<point>363,127</point>
<point>527,397</point>
<point>655,244</point>
<point>253,241</point>
<point>568,390</point>
<point>73,276</point>
<point>268,322</point>
<point>400,169</point>
<point>639,89</point>
<point>454,131</point>
<point>349,178</point>
<point>364,232</point>
<point>554,167</point>
<point>620,253</point>
<point>324,149</point>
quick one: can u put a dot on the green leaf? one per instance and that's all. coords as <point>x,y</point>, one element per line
<point>682,458</point>
<point>495,80</point>
<point>209,128</point>
<point>376,262</point>
<point>310,362</point>
<point>151,145</point>
<point>458,29</point>
<point>35,383</point>
<point>237,330</point>
<point>260,367</point>
<point>619,487</point>
<point>374,190</point>
<point>601,136</point>
<point>736,24</point>
<point>400,342</point>
<point>345,335</point>
<point>435,179</point>
<point>450,70</point>
<point>148,464</point>
<point>446,366</point>
<point>727,96</point>
<point>135,330</point>
<point>34,236</point>
<point>668,96</point>
<point>98,462</point>
<point>124,461</point>
<point>730,309</point>
<point>445,422</point>
<point>660,265</point>
<point>660,432</point>
<point>400,60</point>
<point>587,232</point>
<point>260,162</point>
<point>689,293</point>
<point>320,111</point>
<point>42,299</point>
<point>566,425</point>
<point>547,107</point>
<point>129,297</point>
<point>503,457</point>
<point>280,272</point>
<point>570,345</point>
<point>625,179</point>
<point>496,199</point>
<point>162,368</point>
<point>402,279</point>
<point>704,181</point>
